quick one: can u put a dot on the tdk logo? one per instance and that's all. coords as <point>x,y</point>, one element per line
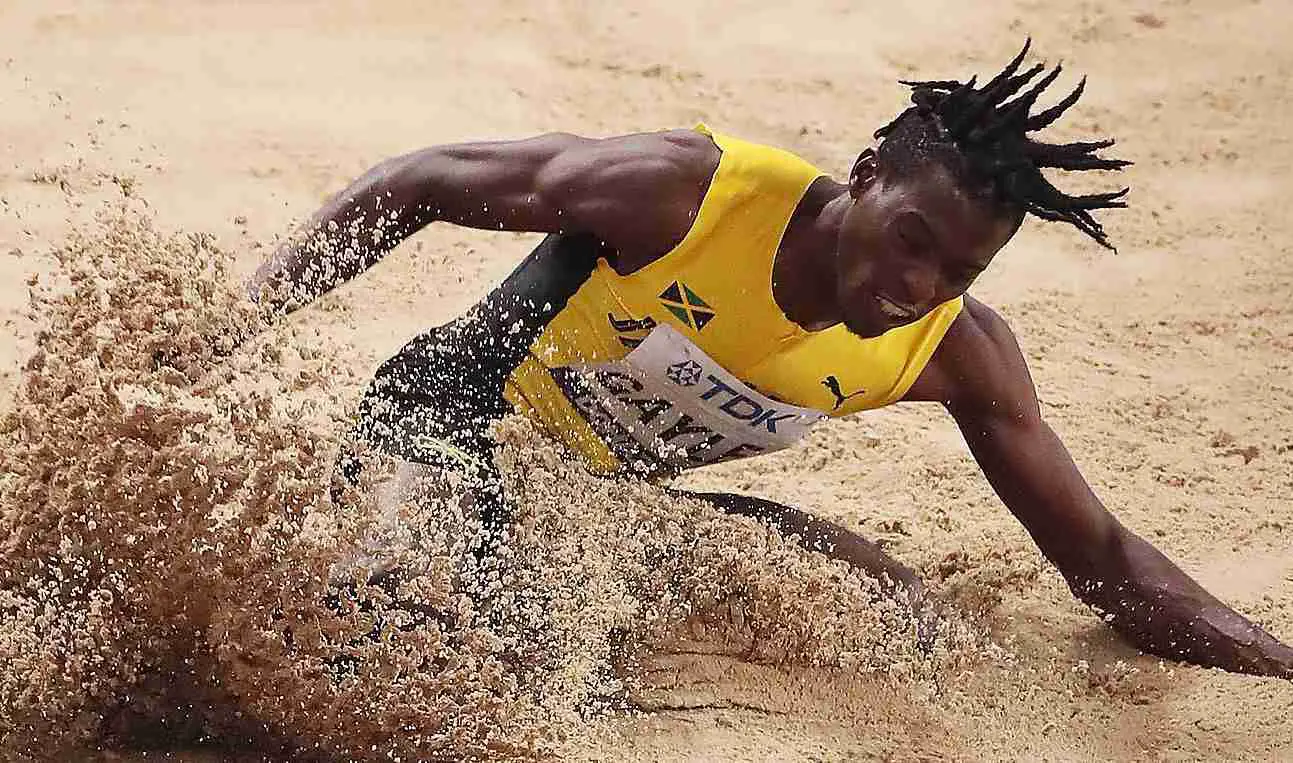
<point>742,408</point>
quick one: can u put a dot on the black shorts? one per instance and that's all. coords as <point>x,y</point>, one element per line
<point>434,401</point>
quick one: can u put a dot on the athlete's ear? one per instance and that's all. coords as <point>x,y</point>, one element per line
<point>863,173</point>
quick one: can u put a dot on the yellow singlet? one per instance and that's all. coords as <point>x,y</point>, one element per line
<point>709,302</point>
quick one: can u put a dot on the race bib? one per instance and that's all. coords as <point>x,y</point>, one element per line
<point>669,404</point>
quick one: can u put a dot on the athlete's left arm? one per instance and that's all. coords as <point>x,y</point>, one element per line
<point>981,377</point>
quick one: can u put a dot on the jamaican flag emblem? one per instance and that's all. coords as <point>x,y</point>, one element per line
<point>686,305</point>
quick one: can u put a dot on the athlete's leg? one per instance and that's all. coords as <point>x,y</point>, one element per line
<point>819,535</point>
<point>407,486</point>
<point>457,474</point>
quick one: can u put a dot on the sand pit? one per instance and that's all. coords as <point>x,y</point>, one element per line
<point>168,544</point>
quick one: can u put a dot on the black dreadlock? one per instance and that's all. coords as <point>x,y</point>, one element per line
<point>984,140</point>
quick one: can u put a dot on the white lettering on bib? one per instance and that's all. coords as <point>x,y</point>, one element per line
<point>668,403</point>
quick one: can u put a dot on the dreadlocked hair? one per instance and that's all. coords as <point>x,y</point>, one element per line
<point>983,139</point>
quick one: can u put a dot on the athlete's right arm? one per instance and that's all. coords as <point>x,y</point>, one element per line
<point>634,191</point>
<point>981,377</point>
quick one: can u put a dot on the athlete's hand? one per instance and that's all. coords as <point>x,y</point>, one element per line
<point>1161,611</point>
<point>1265,659</point>
<point>1273,658</point>
<point>1284,664</point>
<point>1232,642</point>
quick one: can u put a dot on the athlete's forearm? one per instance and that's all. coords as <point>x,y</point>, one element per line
<point>1135,588</point>
<point>351,232</point>
<point>522,185</point>
<point>1162,611</point>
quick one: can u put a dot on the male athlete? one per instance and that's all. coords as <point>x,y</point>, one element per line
<point>701,298</point>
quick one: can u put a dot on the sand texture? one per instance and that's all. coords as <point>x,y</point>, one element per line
<point>167,536</point>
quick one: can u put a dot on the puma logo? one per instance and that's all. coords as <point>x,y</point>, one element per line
<point>833,384</point>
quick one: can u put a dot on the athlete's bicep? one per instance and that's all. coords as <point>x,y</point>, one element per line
<point>494,185</point>
<point>638,193</point>
<point>635,192</point>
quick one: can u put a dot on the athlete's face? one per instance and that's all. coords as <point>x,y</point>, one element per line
<point>910,243</point>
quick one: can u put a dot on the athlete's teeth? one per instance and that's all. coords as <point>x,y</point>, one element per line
<point>891,310</point>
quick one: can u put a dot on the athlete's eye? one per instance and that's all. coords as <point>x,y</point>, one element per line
<point>913,232</point>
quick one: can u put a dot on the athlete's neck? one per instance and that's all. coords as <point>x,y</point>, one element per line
<point>804,274</point>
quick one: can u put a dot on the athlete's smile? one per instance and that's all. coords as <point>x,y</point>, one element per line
<point>894,310</point>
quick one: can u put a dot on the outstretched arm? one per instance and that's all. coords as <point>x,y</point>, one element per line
<point>1138,590</point>
<point>816,534</point>
<point>634,190</point>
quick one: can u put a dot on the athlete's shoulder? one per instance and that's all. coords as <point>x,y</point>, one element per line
<point>978,361</point>
<point>638,193</point>
<point>978,330</point>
